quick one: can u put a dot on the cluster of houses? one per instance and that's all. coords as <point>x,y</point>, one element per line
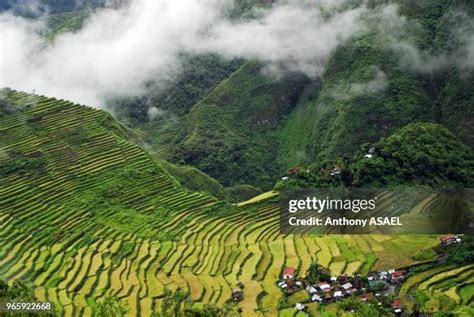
<point>375,288</point>
<point>449,239</point>
<point>294,171</point>
<point>336,170</point>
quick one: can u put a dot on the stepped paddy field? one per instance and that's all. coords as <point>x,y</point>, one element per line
<point>443,287</point>
<point>86,213</point>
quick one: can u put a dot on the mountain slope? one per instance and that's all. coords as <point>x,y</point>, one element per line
<point>84,213</point>
<point>61,155</point>
<point>418,154</point>
<point>230,134</point>
<point>369,89</point>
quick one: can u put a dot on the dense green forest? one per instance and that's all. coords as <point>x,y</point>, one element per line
<point>417,154</point>
<point>237,123</point>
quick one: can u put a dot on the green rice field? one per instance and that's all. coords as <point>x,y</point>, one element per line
<point>84,213</point>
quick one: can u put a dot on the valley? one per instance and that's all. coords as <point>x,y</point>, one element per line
<point>89,235</point>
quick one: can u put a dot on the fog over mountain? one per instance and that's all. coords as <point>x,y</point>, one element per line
<point>118,49</point>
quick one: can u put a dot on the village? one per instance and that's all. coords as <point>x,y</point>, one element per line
<point>378,287</point>
<point>334,171</point>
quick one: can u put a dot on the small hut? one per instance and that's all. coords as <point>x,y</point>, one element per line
<point>237,294</point>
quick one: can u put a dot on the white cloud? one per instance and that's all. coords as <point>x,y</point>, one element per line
<point>400,35</point>
<point>346,91</point>
<point>289,37</point>
<point>112,54</point>
<point>155,113</point>
<point>419,60</point>
<point>377,84</point>
<point>117,50</point>
<point>464,36</point>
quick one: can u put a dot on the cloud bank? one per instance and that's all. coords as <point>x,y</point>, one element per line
<point>347,91</point>
<point>121,47</point>
<point>400,35</point>
<point>117,50</point>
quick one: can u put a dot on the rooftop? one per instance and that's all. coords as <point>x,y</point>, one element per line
<point>289,271</point>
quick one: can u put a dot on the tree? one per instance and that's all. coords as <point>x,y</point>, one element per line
<point>3,288</point>
<point>110,307</point>
<point>369,310</point>
<point>313,273</point>
<point>360,281</point>
<point>324,274</point>
<point>363,309</point>
<point>20,291</point>
<point>463,252</point>
<point>317,273</point>
<point>214,311</point>
<point>173,302</point>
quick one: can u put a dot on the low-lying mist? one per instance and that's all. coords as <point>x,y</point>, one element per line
<point>118,49</point>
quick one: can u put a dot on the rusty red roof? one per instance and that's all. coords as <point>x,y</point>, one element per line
<point>447,237</point>
<point>397,303</point>
<point>289,271</point>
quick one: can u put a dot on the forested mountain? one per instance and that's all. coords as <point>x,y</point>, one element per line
<point>369,89</point>
<point>420,154</point>
<point>234,122</point>
<point>34,9</point>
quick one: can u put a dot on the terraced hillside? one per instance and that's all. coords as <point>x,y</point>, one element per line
<point>441,289</point>
<point>84,212</point>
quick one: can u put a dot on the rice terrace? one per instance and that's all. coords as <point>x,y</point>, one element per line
<point>73,257</point>
<point>236,158</point>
